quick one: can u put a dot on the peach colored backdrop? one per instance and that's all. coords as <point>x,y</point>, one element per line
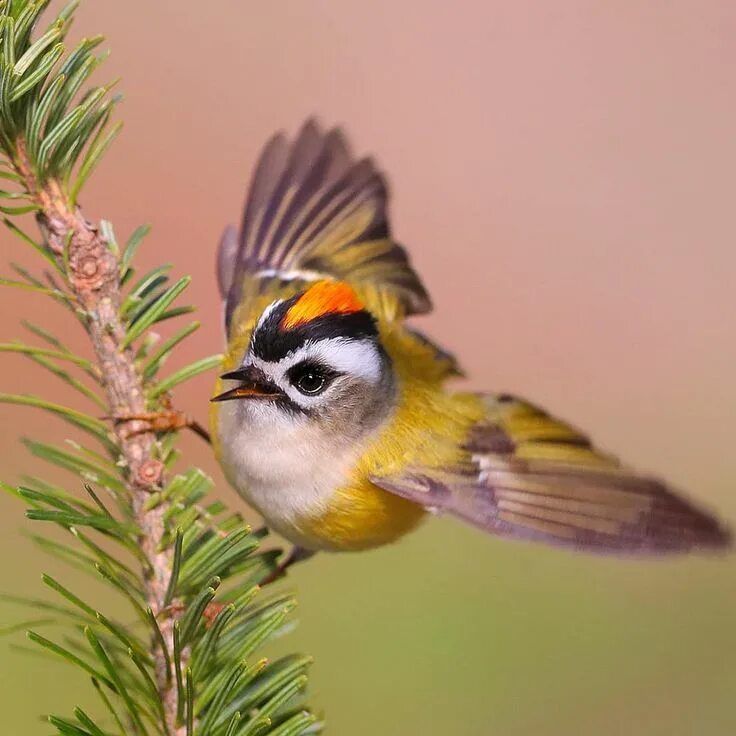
<point>563,174</point>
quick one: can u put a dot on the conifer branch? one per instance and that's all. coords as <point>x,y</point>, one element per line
<point>93,277</point>
<point>188,568</point>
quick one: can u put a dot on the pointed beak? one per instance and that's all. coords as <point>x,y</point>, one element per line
<point>254,385</point>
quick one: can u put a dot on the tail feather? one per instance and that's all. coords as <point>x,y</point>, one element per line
<point>313,209</point>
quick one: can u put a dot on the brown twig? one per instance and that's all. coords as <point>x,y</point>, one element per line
<point>94,279</point>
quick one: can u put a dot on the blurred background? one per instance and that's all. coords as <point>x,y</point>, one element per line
<point>563,175</point>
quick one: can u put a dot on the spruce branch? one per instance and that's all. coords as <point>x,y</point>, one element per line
<point>94,279</point>
<point>188,568</point>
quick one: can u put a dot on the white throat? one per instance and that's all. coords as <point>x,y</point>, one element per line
<point>277,462</point>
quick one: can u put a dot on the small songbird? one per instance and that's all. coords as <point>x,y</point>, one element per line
<point>334,418</point>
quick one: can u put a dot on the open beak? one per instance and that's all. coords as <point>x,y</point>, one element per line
<point>254,385</point>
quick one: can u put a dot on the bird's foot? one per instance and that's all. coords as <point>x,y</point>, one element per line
<point>297,554</point>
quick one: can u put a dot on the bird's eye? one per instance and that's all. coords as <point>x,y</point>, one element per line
<point>309,379</point>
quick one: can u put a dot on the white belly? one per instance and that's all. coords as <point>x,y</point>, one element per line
<point>280,464</point>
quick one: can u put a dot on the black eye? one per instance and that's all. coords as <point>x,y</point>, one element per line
<point>309,378</point>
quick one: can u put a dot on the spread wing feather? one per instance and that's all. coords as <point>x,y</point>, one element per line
<point>315,212</point>
<point>526,475</point>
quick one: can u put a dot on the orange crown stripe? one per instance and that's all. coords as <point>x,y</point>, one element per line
<point>324,297</point>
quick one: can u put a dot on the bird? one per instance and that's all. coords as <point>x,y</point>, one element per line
<point>340,422</point>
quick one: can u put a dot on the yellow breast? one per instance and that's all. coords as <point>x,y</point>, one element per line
<point>362,516</point>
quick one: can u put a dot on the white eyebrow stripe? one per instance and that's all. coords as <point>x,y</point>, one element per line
<point>355,357</point>
<point>266,312</point>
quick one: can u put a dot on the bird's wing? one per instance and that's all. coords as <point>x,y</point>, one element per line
<point>449,363</point>
<point>526,475</point>
<point>315,212</point>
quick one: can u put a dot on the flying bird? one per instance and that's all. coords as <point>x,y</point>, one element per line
<point>340,423</point>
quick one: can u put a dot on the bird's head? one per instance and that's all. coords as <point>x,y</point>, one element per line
<point>315,358</point>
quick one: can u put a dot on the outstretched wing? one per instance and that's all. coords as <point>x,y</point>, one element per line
<point>526,475</point>
<point>314,212</point>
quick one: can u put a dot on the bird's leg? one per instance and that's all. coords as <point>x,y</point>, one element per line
<point>166,419</point>
<point>297,554</point>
